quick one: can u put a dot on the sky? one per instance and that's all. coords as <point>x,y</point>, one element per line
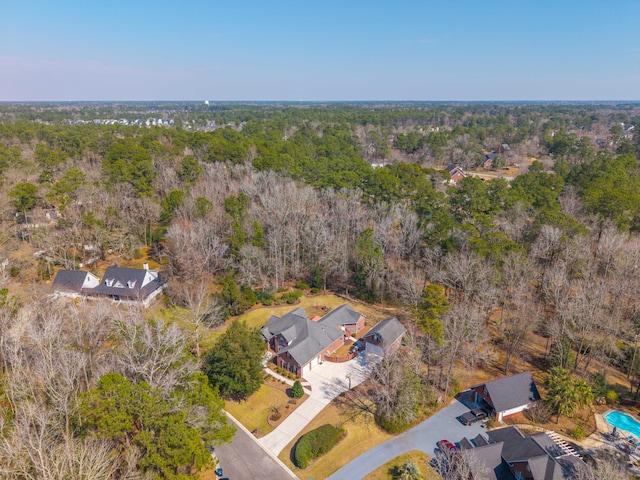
<point>322,50</point>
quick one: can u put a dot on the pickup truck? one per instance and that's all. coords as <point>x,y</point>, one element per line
<point>473,416</point>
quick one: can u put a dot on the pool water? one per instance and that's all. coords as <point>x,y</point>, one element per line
<point>624,422</point>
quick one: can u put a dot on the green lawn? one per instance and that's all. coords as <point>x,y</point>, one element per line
<point>313,305</point>
<point>386,471</point>
<point>362,435</point>
<point>254,411</point>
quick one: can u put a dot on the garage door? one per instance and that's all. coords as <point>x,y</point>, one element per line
<point>371,348</point>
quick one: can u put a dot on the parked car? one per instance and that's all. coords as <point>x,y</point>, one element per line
<point>472,416</point>
<point>446,445</point>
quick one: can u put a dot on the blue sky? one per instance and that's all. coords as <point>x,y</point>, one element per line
<point>321,50</point>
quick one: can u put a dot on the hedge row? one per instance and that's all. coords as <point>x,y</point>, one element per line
<point>316,443</point>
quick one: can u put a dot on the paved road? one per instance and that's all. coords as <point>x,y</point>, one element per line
<point>327,382</point>
<point>441,425</point>
<point>244,459</point>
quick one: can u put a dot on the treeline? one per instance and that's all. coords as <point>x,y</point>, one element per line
<point>238,214</point>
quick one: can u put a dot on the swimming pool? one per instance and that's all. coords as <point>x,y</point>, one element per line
<point>624,422</point>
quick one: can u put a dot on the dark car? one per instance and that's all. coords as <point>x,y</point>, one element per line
<point>446,445</point>
<point>473,416</point>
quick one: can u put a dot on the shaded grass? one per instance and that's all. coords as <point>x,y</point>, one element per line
<point>386,471</point>
<point>362,434</point>
<point>254,411</point>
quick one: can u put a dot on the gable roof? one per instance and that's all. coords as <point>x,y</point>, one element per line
<point>454,168</point>
<point>389,330</point>
<point>512,392</point>
<point>509,445</point>
<point>485,461</point>
<point>339,316</point>
<point>70,280</point>
<point>305,339</point>
<point>136,283</point>
<point>289,325</point>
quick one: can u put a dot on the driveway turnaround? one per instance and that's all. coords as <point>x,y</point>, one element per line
<point>327,381</point>
<point>441,425</point>
<point>245,459</point>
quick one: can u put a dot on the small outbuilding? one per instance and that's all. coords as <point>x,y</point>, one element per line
<point>507,396</point>
<point>72,283</point>
<point>386,335</point>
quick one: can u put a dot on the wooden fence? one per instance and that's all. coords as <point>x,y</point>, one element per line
<point>346,358</point>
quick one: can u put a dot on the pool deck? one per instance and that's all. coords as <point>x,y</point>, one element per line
<point>603,439</point>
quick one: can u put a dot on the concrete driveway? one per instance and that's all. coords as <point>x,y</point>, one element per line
<point>327,381</point>
<point>441,425</point>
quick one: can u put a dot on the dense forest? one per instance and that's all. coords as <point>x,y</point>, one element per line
<point>240,203</point>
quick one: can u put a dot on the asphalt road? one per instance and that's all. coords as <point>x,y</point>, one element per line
<point>244,459</point>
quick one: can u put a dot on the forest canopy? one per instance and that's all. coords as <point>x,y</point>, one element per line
<point>240,205</point>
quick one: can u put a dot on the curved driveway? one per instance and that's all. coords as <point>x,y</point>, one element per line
<point>327,381</point>
<point>441,425</point>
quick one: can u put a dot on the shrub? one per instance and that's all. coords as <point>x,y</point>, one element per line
<point>316,443</point>
<point>288,298</point>
<point>267,302</point>
<point>264,294</point>
<point>599,384</point>
<point>455,388</point>
<point>249,297</point>
<point>612,397</point>
<point>392,424</point>
<point>408,470</point>
<point>275,414</point>
<point>302,285</point>
<point>137,254</point>
<point>578,432</point>
<point>297,390</point>
<point>314,290</point>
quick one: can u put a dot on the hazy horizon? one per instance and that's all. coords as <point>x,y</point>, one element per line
<point>250,51</point>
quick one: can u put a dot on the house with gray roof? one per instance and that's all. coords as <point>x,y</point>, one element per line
<point>344,318</point>
<point>299,343</point>
<point>132,285</point>
<point>384,336</point>
<point>71,283</point>
<point>129,285</point>
<point>507,454</point>
<point>507,396</point>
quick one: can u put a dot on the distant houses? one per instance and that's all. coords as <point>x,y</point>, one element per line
<point>456,173</point>
<point>128,285</point>
<point>490,159</point>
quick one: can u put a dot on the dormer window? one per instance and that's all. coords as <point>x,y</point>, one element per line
<point>109,282</point>
<point>131,283</point>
